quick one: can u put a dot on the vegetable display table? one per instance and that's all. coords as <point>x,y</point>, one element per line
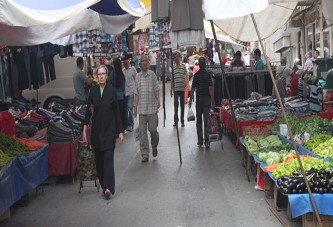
<point>227,122</point>
<point>22,175</point>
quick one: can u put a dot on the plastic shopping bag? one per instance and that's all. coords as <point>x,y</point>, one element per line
<point>136,130</point>
<point>190,115</point>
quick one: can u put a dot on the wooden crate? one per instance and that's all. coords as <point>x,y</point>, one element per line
<point>5,215</point>
<point>309,220</point>
<point>289,215</point>
<point>280,200</point>
<point>269,186</point>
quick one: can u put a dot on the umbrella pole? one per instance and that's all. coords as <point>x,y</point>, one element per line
<point>173,85</point>
<point>287,122</point>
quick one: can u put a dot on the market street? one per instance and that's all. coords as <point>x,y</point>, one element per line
<point>208,189</point>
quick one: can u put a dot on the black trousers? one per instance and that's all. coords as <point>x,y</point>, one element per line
<point>179,95</point>
<point>105,167</point>
<point>49,68</point>
<point>202,108</point>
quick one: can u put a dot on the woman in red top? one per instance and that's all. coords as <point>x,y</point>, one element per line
<point>293,84</point>
<point>294,77</point>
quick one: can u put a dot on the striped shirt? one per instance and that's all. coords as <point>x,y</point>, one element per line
<point>146,84</point>
<point>179,73</point>
<point>201,82</point>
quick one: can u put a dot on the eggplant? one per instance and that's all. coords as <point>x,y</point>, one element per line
<point>299,186</point>
<point>325,182</point>
<point>318,184</point>
<point>284,178</point>
<point>294,191</point>
<point>280,181</point>
<point>315,190</point>
<point>331,190</point>
<point>321,190</point>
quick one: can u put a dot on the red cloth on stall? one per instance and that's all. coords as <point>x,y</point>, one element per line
<point>227,121</point>
<point>63,158</point>
<point>7,124</point>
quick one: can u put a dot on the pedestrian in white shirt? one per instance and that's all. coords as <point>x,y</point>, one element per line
<point>308,63</point>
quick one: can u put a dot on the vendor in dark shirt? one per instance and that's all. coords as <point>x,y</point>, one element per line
<point>203,86</point>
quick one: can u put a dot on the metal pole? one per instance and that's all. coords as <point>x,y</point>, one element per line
<point>173,85</point>
<point>224,79</point>
<point>287,122</point>
<point>321,31</point>
<point>161,62</point>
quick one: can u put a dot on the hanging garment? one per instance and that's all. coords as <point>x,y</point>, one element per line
<point>19,59</point>
<point>186,14</point>
<point>48,61</point>
<point>159,9</point>
<point>36,67</point>
<point>187,38</point>
<point>95,39</point>
<point>81,44</point>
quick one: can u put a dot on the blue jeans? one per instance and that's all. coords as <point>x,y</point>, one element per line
<point>130,101</point>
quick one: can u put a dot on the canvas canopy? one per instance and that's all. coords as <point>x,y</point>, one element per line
<point>233,17</point>
<point>25,22</point>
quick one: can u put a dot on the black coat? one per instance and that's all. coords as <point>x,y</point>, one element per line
<point>105,117</point>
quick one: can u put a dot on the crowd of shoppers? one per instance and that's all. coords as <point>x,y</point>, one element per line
<point>129,92</point>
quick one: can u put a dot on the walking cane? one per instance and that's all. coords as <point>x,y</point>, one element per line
<point>173,80</point>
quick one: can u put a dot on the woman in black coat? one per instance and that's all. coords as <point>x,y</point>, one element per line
<point>106,122</point>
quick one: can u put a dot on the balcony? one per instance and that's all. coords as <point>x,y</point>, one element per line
<point>281,44</point>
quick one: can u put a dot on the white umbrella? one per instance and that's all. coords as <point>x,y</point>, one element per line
<point>24,22</point>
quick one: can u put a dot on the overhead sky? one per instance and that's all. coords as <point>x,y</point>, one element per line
<point>47,5</point>
<point>60,4</point>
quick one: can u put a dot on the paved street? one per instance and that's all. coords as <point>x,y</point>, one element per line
<point>208,189</point>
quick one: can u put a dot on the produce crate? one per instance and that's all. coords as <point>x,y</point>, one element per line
<point>289,215</point>
<point>309,220</point>
<point>5,215</point>
<point>269,186</point>
<point>256,131</point>
<point>280,200</point>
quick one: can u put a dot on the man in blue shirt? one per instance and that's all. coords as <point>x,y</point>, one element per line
<point>259,75</point>
<point>79,80</point>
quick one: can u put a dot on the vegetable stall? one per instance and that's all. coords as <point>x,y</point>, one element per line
<point>276,159</point>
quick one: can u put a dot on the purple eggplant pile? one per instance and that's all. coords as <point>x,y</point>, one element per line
<point>320,181</point>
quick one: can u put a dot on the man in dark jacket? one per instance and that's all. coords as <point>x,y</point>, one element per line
<point>203,85</point>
